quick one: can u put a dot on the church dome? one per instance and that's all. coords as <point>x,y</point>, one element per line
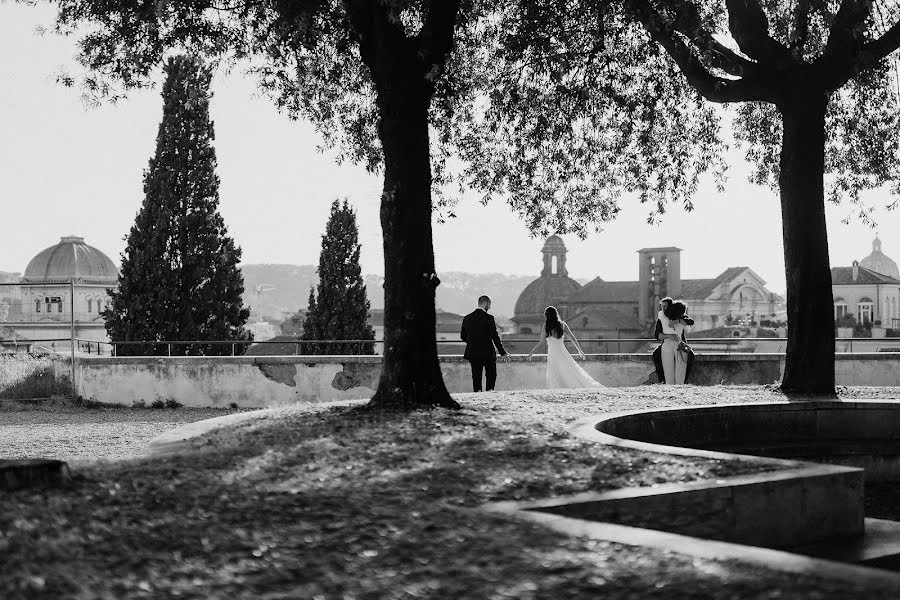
<point>553,285</point>
<point>544,292</point>
<point>71,259</point>
<point>879,262</point>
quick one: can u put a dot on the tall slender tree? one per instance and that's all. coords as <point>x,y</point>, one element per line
<point>180,278</point>
<point>340,309</point>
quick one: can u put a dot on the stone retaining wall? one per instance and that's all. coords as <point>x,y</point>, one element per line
<point>260,381</point>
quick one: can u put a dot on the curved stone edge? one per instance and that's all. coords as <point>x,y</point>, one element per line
<point>179,439</point>
<point>586,428</point>
<point>776,560</point>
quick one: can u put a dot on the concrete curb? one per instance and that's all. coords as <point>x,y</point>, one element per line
<point>178,440</point>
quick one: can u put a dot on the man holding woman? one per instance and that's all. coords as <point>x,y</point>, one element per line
<point>673,357</point>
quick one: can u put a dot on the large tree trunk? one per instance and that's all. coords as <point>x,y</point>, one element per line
<point>411,373</point>
<point>809,364</point>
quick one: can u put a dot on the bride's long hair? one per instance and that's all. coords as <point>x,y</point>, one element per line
<point>552,324</point>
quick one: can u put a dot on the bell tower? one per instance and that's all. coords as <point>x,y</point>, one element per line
<point>659,275</point>
<point>554,252</point>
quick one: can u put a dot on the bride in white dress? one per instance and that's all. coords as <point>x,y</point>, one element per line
<point>562,370</point>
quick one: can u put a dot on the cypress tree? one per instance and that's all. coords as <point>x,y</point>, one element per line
<point>180,278</point>
<point>339,309</point>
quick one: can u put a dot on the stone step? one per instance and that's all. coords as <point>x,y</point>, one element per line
<point>879,546</point>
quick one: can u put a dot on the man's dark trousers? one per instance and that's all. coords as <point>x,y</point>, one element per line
<point>479,332</point>
<point>490,370</point>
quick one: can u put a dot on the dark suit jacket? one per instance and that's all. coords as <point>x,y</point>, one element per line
<point>479,332</point>
<point>657,354</point>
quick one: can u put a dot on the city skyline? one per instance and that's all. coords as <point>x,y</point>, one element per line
<point>69,170</point>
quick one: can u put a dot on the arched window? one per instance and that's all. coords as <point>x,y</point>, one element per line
<point>840,308</point>
<point>525,330</point>
<point>37,306</point>
<point>554,264</point>
<point>865,309</point>
<point>90,305</point>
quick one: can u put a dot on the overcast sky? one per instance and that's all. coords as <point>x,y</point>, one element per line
<point>70,170</point>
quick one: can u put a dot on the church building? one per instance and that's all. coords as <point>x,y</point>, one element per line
<point>41,305</point>
<point>868,290</point>
<point>628,309</point>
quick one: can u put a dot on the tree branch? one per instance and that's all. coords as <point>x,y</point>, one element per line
<point>885,45</point>
<point>378,37</point>
<point>801,28</point>
<point>845,54</point>
<point>714,89</point>
<point>436,36</point>
<point>845,38</point>
<point>749,27</point>
<point>688,23</point>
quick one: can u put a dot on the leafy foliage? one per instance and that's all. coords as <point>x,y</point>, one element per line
<point>340,310</point>
<point>577,112</point>
<point>180,278</point>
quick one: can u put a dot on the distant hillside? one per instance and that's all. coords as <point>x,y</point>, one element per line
<point>457,293</point>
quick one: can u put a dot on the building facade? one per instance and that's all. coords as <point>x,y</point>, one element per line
<point>628,309</point>
<point>868,290</point>
<point>62,285</point>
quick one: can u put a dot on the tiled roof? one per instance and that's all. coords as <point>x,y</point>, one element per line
<point>703,288</point>
<point>660,249</point>
<point>605,291</point>
<point>603,318</point>
<point>844,276</point>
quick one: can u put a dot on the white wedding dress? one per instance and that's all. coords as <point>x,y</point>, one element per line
<point>562,370</point>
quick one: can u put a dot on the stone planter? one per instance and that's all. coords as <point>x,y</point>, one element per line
<point>878,332</point>
<point>845,332</point>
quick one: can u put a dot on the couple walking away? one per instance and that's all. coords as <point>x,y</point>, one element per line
<point>479,332</point>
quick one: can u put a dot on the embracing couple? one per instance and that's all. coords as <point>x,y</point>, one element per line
<point>673,358</point>
<point>479,331</point>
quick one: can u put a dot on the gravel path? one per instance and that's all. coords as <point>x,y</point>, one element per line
<point>77,434</point>
<point>73,433</point>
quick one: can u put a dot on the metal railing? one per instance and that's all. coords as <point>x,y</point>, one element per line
<point>445,347</point>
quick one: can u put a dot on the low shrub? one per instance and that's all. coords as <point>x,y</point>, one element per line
<point>26,376</point>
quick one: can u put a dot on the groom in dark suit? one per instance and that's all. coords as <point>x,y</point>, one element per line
<point>479,332</point>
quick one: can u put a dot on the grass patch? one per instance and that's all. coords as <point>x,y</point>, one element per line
<point>24,376</point>
<point>338,502</point>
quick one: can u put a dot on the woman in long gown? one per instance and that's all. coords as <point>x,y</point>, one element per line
<point>562,370</point>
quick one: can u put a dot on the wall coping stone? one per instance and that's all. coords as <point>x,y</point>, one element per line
<point>376,359</point>
<point>452,358</point>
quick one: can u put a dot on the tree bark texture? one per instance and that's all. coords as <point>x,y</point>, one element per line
<point>411,374</point>
<point>809,361</point>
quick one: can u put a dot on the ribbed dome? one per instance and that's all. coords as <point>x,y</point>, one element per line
<point>544,292</point>
<point>70,259</point>
<point>880,262</point>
